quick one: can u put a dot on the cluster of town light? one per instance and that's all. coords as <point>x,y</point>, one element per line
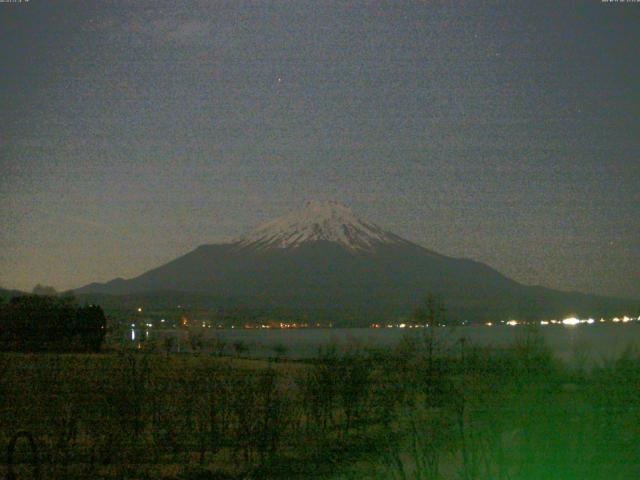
<point>400,325</point>
<point>570,321</point>
<point>185,322</point>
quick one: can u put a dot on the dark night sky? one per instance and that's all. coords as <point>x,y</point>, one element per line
<point>506,132</point>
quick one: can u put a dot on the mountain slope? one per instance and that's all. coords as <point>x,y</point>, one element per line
<point>325,259</point>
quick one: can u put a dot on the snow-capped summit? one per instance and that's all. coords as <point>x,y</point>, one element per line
<point>328,221</point>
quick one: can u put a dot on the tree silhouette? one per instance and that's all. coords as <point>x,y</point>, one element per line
<point>240,347</point>
<point>45,323</point>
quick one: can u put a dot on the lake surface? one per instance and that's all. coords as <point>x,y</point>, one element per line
<point>575,344</point>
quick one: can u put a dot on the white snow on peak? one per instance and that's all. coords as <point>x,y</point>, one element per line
<point>327,221</point>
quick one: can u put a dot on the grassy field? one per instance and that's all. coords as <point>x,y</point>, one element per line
<point>413,412</point>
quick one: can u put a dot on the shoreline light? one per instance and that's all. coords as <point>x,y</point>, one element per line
<point>571,321</point>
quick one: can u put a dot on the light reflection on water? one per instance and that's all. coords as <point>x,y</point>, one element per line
<point>576,344</point>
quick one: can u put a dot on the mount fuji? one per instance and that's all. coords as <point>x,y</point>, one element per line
<point>323,261</point>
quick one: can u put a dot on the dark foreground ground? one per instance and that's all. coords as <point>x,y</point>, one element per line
<point>414,411</point>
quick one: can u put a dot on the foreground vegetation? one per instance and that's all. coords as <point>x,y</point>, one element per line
<point>424,410</point>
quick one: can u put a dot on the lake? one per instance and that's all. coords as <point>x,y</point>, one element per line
<point>575,344</point>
